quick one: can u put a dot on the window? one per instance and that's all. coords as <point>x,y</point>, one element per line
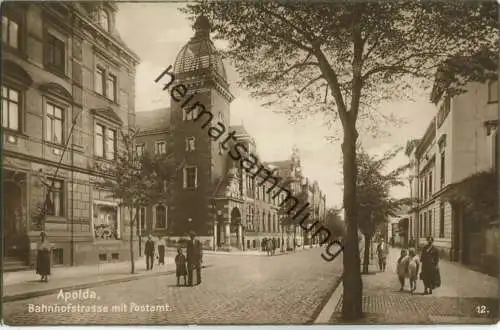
<point>111,87</point>
<point>443,169</point>
<point>56,53</point>
<point>190,177</point>
<point>103,19</point>
<point>105,142</point>
<point>441,219</point>
<point>10,31</point>
<point>110,144</point>
<point>55,202</point>
<point>420,225</point>
<point>139,150</point>
<point>54,124</point>
<point>430,184</point>
<point>493,91</point>
<point>160,148</point>
<point>425,189</point>
<point>221,149</point>
<point>161,217</point>
<point>99,80</point>
<point>58,256</point>
<point>189,114</point>
<point>105,220</point>
<point>190,144</point>
<point>142,219</point>
<point>425,223</point>
<point>99,140</point>
<point>10,108</point>
<point>429,226</point>
<point>495,151</point>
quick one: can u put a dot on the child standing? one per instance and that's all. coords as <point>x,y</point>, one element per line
<point>402,268</point>
<point>413,268</point>
<point>180,266</point>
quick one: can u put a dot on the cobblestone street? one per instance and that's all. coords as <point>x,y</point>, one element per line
<point>285,289</point>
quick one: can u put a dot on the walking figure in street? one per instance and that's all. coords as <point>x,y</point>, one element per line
<point>149,252</point>
<point>269,247</point>
<point>194,256</point>
<point>43,257</point>
<point>161,251</point>
<point>263,244</point>
<point>180,266</point>
<point>402,268</point>
<point>382,252</point>
<point>413,268</point>
<point>430,270</point>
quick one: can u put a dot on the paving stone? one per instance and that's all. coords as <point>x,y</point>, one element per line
<point>288,289</point>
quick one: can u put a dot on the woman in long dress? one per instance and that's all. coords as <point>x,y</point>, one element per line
<point>430,271</point>
<point>43,257</point>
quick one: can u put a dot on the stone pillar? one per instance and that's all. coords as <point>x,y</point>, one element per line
<point>227,233</point>
<point>240,236</point>
<point>215,236</point>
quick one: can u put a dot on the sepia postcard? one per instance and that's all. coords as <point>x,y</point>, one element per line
<point>250,163</point>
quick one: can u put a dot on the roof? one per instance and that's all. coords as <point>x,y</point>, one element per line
<point>200,52</point>
<point>153,119</point>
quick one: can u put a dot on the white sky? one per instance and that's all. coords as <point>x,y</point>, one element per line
<point>157,31</point>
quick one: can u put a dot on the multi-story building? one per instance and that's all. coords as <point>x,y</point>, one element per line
<point>67,90</point>
<point>460,141</point>
<point>226,205</point>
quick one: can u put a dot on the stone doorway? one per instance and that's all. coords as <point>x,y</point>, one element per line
<point>16,243</point>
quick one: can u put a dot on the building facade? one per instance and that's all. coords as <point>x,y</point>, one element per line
<point>67,91</point>
<point>227,206</point>
<point>460,141</point>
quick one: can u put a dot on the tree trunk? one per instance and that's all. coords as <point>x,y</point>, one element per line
<point>366,257</point>
<point>132,258</point>
<point>351,303</point>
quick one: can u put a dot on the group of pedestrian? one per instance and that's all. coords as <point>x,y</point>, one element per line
<point>269,245</point>
<point>154,251</point>
<point>186,265</point>
<point>410,264</point>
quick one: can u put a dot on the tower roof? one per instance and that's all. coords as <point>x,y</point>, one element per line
<point>200,52</point>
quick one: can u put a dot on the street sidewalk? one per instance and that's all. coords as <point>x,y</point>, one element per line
<point>26,284</point>
<point>465,296</point>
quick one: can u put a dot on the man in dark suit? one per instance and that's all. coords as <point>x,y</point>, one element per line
<point>194,254</point>
<point>149,252</point>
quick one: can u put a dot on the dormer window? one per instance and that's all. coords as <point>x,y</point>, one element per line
<point>103,19</point>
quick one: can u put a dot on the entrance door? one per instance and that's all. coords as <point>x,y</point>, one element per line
<point>14,231</point>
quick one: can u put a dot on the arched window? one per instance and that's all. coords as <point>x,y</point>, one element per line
<point>103,19</point>
<point>160,216</point>
<point>269,223</point>
<point>264,221</point>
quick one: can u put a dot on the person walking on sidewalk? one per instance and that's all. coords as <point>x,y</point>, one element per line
<point>43,257</point>
<point>149,252</point>
<point>180,266</point>
<point>382,252</point>
<point>161,251</point>
<point>413,268</point>
<point>430,270</point>
<point>402,268</point>
<point>194,254</point>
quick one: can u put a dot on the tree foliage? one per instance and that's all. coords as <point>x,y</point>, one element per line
<point>478,194</point>
<point>373,190</point>
<point>334,223</point>
<point>341,60</point>
<point>136,181</point>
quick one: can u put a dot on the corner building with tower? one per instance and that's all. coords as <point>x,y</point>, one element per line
<point>212,195</point>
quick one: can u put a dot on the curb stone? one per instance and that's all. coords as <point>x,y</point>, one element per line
<point>45,292</point>
<point>327,307</point>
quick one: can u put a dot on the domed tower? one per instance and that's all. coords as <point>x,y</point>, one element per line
<point>203,109</point>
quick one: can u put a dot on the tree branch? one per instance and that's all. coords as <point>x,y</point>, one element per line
<point>312,81</point>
